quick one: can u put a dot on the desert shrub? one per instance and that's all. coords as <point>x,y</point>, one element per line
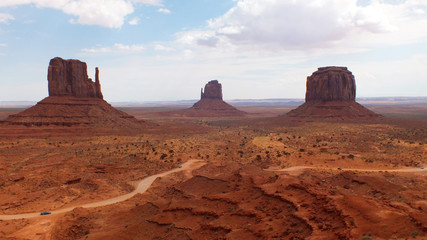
<point>414,234</point>
<point>163,156</point>
<point>367,237</point>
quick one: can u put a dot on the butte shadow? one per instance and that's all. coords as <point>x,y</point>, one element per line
<point>74,101</point>
<point>330,95</point>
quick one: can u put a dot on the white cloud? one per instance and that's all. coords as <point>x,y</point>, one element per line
<point>96,50</point>
<point>404,77</point>
<point>134,21</point>
<point>164,10</point>
<point>5,18</point>
<point>3,45</point>
<point>116,48</point>
<point>7,3</point>
<point>151,2</point>
<point>311,24</point>
<point>419,11</point>
<point>159,47</point>
<point>106,13</point>
<point>129,48</point>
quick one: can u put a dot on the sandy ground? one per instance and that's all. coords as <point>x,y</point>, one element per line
<point>257,178</point>
<point>140,187</point>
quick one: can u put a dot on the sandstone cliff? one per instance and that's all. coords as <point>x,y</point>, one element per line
<point>211,104</point>
<point>69,78</point>
<point>331,84</point>
<point>74,100</point>
<point>330,95</point>
<point>213,90</point>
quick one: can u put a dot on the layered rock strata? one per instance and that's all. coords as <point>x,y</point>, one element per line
<point>331,84</point>
<point>213,90</point>
<point>330,94</point>
<point>69,78</point>
<point>211,103</point>
<point>74,100</point>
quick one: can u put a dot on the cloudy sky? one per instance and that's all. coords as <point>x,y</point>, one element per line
<point>157,50</point>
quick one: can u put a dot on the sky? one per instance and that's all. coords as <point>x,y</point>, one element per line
<point>165,50</point>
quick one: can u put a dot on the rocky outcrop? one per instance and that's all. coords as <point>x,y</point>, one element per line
<point>211,104</point>
<point>331,84</point>
<point>69,78</point>
<point>330,95</point>
<point>74,100</point>
<point>213,90</point>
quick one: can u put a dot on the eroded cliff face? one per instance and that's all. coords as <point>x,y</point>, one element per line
<point>69,78</point>
<point>211,103</point>
<point>331,84</point>
<point>330,95</point>
<point>74,100</point>
<point>213,90</point>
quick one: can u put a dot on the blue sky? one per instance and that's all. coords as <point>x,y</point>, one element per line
<point>158,50</point>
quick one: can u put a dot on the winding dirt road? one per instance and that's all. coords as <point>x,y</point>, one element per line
<point>398,170</point>
<point>140,187</point>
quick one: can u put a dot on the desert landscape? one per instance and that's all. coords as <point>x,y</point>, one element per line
<point>317,172</point>
<point>213,120</point>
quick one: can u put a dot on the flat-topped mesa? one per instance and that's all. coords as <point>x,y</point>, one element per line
<point>331,95</point>
<point>69,78</point>
<point>213,90</point>
<point>331,84</point>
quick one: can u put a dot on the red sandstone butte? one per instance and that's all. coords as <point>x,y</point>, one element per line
<point>331,93</point>
<point>69,78</point>
<point>211,103</point>
<point>331,84</point>
<point>74,100</point>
